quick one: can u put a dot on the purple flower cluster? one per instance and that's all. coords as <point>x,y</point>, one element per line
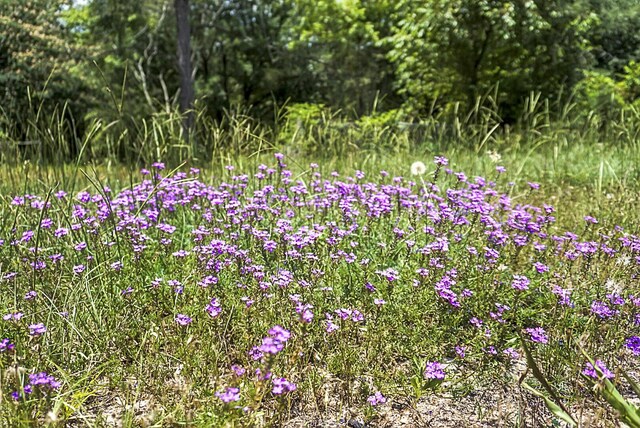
<point>537,334</point>
<point>520,282</point>
<point>633,344</point>
<point>6,345</point>
<point>183,319</point>
<point>282,386</point>
<point>376,399</point>
<point>434,371</point>
<point>41,382</point>
<point>273,245</point>
<point>602,310</point>
<point>564,296</point>
<point>272,344</point>
<point>214,308</point>
<point>15,316</point>
<point>229,395</point>
<point>389,274</point>
<point>595,372</point>
<point>37,329</point>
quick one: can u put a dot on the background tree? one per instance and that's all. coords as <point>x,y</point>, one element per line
<point>187,94</point>
<point>454,51</point>
<point>36,61</point>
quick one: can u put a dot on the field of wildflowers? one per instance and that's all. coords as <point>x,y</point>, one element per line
<point>255,297</point>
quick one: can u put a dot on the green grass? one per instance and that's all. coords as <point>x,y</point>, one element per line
<point>114,352</point>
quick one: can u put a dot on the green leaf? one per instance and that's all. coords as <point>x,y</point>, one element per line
<point>531,363</point>
<point>554,408</point>
<point>628,412</point>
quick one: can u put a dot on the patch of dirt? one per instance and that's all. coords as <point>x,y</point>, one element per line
<point>483,409</point>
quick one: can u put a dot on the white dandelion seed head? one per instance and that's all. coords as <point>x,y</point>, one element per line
<point>418,168</point>
<point>614,286</point>
<point>623,261</point>
<point>494,156</point>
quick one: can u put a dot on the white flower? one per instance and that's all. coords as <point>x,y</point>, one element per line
<point>494,156</point>
<point>612,286</point>
<point>623,260</point>
<point>418,168</point>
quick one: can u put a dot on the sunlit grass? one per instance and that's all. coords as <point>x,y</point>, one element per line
<point>111,308</point>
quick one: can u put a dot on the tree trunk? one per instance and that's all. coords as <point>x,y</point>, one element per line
<point>187,93</point>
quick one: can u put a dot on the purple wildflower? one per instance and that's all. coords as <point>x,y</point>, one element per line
<point>602,310</point>
<point>541,267</point>
<point>230,394</point>
<point>271,346</point>
<point>213,308</point>
<point>275,342</point>
<point>376,399</point>
<point>434,371</point>
<point>476,322</point>
<point>282,386</point>
<point>279,333</point>
<point>238,370</point>
<point>537,335</point>
<point>520,282</point>
<point>183,320</point>
<point>331,327</point>
<point>357,316</point>
<point>593,372</point>
<point>633,344</point>
<point>37,329</point>
<point>15,316</point>
<point>441,160</point>
<point>511,353</point>
<point>590,219</point>
<point>6,345</point>
<point>564,296</point>
<point>389,274</point>
<point>256,354</point>
<point>43,380</point>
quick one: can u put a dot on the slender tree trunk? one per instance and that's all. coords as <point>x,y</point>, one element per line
<point>187,93</point>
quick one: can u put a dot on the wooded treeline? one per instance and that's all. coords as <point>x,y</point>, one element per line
<point>117,61</point>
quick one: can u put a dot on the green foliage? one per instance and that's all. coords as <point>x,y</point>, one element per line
<point>35,63</point>
<point>467,65</point>
<point>448,51</point>
<point>614,36</point>
<point>342,40</point>
<point>606,96</point>
<point>599,93</point>
<point>240,50</point>
<point>630,82</point>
